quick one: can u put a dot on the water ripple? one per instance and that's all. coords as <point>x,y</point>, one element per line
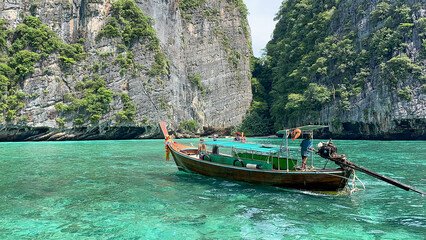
<point>125,190</point>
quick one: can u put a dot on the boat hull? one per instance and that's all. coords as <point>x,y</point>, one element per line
<point>318,180</point>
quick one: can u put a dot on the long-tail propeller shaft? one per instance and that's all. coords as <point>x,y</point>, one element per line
<point>329,151</point>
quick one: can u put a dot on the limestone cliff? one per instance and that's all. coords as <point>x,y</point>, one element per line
<point>115,68</point>
<point>392,103</point>
<point>357,66</point>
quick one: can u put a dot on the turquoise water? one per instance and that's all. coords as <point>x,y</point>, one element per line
<point>126,190</point>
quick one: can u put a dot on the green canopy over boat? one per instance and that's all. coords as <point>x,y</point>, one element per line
<point>245,146</point>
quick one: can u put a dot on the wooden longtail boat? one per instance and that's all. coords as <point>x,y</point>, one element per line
<point>257,163</point>
<point>271,165</point>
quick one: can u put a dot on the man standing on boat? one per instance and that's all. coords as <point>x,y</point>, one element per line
<point>202,149</point>
<point>306,146</point>
<point>215,149</point>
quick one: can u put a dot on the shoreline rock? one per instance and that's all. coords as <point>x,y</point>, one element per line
<point>17,133</point>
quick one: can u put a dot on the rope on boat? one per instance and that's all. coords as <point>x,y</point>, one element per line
<point>363,186</point>
<point>354,188</point>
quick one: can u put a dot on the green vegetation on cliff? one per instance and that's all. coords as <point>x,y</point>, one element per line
<point>20,49</point>
<point>129,23</point>
<point>187,6</point>
<point>129,110</point>
<point>188,126</point>
<point>33,42</point>
<point>94,103</point>
<point>38,38</point>
<point>315,58</point>
<point>91,101</point>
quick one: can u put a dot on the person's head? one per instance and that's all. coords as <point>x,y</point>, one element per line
<point>201,140</point>
<point>308,136</point>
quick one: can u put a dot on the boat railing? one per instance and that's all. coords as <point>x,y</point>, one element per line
<point>293,155</point>
<point>290,153</point>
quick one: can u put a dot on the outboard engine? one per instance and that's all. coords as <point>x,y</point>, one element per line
<point>327,149</point>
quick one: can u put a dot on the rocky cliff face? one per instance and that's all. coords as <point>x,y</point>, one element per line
<point>141,61</point>
<point>390,105</point>
<point>357,66</point>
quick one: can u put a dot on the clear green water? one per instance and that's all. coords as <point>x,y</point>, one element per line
<point>126,190</point>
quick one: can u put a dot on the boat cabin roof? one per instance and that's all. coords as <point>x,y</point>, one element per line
<point>245,146</point>
<point>304,128</point>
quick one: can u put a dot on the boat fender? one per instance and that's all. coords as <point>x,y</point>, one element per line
<point>237,160</point>
<point>252,166</point>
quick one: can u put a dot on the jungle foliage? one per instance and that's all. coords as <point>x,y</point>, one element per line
<point>313,58</point>
<point>130,23</point>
